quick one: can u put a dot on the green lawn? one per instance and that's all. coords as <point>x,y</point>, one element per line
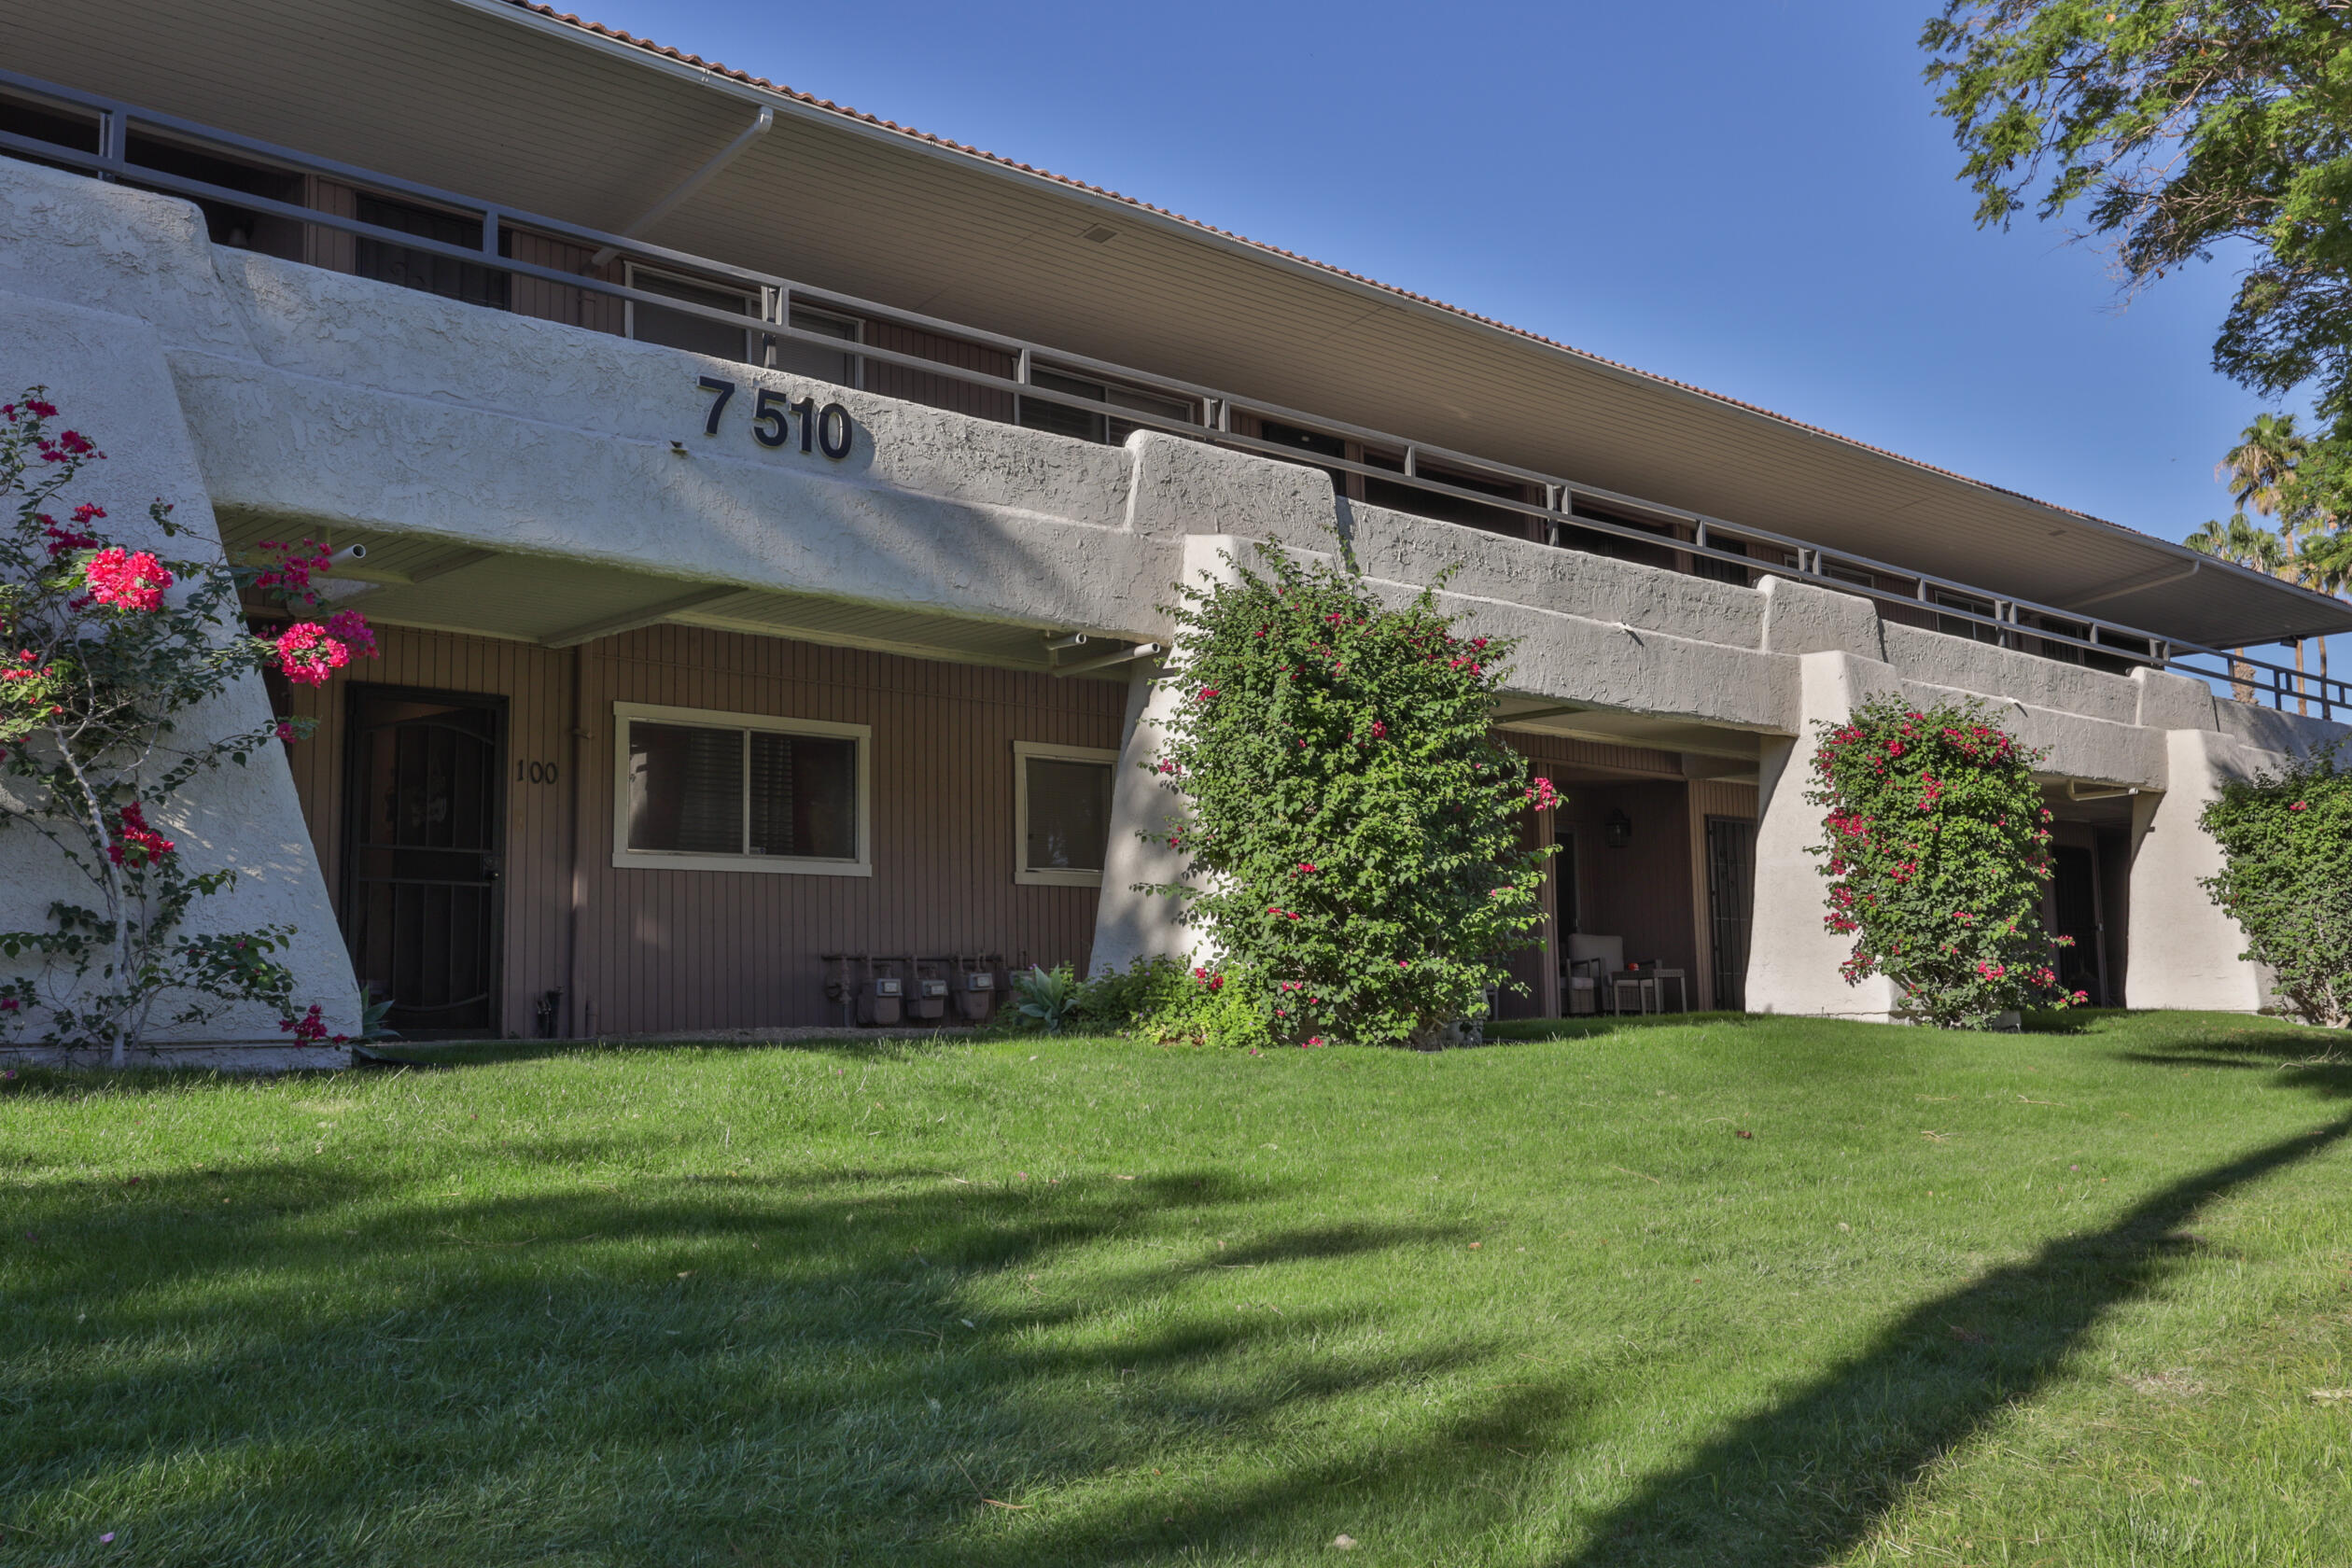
<point>1765,1293</point>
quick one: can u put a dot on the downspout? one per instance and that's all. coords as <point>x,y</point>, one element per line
<point>690,184</point>
<point>576,1010</point>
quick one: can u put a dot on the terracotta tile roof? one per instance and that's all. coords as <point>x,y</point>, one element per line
<point>827,106</point>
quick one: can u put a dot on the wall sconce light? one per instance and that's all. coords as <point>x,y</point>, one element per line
<point>1616,831</point>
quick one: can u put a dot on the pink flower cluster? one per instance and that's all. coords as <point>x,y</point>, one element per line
<point>1543,794</point>
<point>351,629</point>
<point>61,540</point>
<point>128,579</point>
<point>135,843</point>
<point>1215,982</point>
<point>296,564</point>
<point>308,655</point>
<point>307,1028</point>
<point>309,652</point>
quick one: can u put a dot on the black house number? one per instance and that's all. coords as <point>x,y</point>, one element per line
<point>825,429</point>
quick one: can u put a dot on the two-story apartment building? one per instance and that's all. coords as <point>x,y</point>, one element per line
<point>768,509</point>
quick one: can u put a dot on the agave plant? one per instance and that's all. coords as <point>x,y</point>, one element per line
<point>1047,1000</point>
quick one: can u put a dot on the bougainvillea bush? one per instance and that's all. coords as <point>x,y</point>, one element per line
<point>105,649</point>
<point>1350,827</point>
<point>1937,849</point>
<point>2286,879</point>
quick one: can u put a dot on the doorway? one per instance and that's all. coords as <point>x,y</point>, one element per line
<point>2074,908</point>
<point>424,844</point>
<point>1730,900</point>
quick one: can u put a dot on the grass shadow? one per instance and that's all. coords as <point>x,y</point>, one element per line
<point>1809,1478</point>
<point>802,1364</point>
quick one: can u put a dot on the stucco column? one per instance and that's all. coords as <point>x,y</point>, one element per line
<point>109,376</point>
<point>2184,950</point>
<point>1793,958</point>
<point>1130,924</point>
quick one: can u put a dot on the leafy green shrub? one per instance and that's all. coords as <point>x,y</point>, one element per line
<point>1113,1000</point>
<point>2286,879</point>
<point>1353,828</point>
<point>1937,850</point>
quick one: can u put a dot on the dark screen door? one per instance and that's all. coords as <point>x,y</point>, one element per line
<point>422,847</point>
<point>2075,889</point>
<point>1730,898</point>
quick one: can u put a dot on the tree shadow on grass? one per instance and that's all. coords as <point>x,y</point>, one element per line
<point>1809,1478</point>
<point>691,1368</point>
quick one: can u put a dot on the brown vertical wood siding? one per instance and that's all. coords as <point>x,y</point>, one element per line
<point>944,392</point>
<point>330,249</point>
<point>555,301</point>
<point>665,951</point>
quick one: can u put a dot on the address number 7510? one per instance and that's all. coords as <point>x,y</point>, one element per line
<point>826,429</point>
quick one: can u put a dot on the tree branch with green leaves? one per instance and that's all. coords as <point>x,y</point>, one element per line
<point>2171,132</point>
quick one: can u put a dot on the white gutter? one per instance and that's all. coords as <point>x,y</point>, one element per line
<point>690,184</point>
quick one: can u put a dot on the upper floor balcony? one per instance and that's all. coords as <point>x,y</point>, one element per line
<point>484,251</point>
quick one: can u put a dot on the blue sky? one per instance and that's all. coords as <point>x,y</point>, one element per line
<point>1752,195</point>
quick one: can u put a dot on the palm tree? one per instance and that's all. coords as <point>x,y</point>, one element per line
<point>2262,473</point>
<point>2327,568</point>
<point>2244,545</point>
<point>2312,548</point>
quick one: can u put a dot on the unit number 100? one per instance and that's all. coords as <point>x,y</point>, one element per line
<point>826,429</point>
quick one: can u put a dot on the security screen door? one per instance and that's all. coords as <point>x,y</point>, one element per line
<point>1730,902</point>
<point>423,848</point>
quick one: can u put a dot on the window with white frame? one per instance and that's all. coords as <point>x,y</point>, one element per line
<point>1954,626</point>
<point>1061,813</point>
<point>702,790</point>
<point>1087,424</point>
<point>697,333</point>
<point>813,359</point>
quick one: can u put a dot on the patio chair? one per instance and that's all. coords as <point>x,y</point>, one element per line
<point>1585,984</point>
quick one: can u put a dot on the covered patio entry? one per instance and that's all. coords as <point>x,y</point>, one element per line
<point>1654,863</point>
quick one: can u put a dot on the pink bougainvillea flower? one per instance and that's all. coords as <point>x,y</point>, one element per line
<point>308,655</point>
<point>307,1028</point>
<point>2300,805</point>
<point>135,843</point>
<point>1208,692</point>
<point>127,580</point>
<point>295,565</point>
<point>350,628</point>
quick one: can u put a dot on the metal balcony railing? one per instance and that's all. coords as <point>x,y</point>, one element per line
<point>2099,641</point>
